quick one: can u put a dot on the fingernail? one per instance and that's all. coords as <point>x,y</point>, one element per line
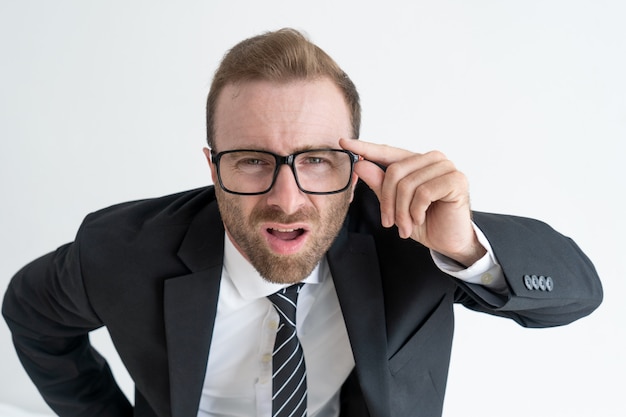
<point>386,221</point>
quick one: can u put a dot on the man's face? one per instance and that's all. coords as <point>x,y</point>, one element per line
<point>285,232</point>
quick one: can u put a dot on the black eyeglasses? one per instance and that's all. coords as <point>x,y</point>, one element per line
<point>253,172</point>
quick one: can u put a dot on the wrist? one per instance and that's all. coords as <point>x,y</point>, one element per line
<point>469,256</point>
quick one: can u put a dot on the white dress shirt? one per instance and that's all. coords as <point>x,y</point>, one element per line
<point>238,380</point>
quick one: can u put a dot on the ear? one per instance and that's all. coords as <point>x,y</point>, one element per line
<point>207,154</point>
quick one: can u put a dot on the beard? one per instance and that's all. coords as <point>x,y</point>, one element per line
<point>278,268</point>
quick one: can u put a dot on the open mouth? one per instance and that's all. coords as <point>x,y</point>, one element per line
<point>286,234</point>
<point>286,240</point>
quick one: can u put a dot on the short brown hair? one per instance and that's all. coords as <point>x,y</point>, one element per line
<point>284,55</point>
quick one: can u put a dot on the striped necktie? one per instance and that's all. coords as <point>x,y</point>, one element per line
<point>289,390</point>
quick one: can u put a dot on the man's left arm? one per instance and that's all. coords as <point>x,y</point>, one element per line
<point>548,280</point>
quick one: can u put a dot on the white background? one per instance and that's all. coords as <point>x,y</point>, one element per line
<point>103,101</point>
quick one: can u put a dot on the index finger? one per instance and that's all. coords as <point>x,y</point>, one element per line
<point>380,154</point>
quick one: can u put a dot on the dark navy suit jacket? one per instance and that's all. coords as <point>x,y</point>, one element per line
<point>150,271</point>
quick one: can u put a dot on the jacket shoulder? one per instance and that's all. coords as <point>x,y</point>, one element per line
<point>170,209</point>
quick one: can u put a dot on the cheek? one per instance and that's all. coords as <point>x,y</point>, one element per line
<point>332,209</point>
<point>235,207</point>
<point>320,204</point>
<point>247,205</point>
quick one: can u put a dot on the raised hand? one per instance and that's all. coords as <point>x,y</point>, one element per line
<point>424,195</point>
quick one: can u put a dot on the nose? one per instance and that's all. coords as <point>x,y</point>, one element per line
<point>285,193</point>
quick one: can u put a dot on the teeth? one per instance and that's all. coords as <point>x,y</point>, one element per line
<point>285,230</point>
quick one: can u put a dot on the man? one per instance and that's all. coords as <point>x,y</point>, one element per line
<point>383,240</point>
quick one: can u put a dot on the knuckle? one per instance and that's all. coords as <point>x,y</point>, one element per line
<point>393,172</point>
<point>437,155</point>
<point>422,194</point>
<point>416,211</point>
<point>403,217</point>
<point>405,186</point>
<point>459,178</point>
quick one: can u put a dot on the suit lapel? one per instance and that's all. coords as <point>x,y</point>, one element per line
<point>190,303</point>
<point>355,270</point>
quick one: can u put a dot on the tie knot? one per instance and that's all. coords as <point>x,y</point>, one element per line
<point>285,302</point>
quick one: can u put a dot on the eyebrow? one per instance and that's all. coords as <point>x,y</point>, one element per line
<point>296,150</point>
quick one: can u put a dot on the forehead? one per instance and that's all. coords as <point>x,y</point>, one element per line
<point>281,117</point>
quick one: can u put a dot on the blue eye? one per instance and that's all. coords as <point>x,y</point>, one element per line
<point>253,162</point>
<point>314,160</point>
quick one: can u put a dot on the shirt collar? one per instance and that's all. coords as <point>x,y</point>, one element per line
<point>247,280</point>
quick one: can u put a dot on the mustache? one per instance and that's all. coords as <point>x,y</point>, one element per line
<point>274,214</point>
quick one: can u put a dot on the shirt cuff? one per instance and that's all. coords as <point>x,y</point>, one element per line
<point>486,271</point>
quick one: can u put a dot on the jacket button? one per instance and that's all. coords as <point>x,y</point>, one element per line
<point>549,284</point>
<point>542,283</point>
<point>535,281</point>
<point>528,282</point>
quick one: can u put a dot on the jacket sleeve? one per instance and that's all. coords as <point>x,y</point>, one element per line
<point>49,315</point>
<point>551,282</point>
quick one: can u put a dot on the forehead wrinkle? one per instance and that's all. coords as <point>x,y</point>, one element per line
<point>278,118</point>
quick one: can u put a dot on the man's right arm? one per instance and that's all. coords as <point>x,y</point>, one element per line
<point>49,315</point>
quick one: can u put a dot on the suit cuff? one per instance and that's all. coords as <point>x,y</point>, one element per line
<point>486,271</point>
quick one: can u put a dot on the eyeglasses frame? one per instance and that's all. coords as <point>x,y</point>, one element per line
<point>283,160</point>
